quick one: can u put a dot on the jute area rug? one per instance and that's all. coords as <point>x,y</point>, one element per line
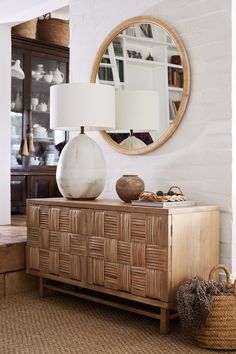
<point>64,324</point>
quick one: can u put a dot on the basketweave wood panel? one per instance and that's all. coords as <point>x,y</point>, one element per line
<point>111,275</point>
<point>43,238</point>
<point>44,217</point>
<point>33,239</point>
<point>79,268</point>
<point>65,264</point>
<point>44,261</point>
<point>53,263</point>
<point>33,216</point>
<point>95,269</point>
<point>53,240</point>
<point>111,224</point>
<point>64,220</point>
<point>122,251</point>
<point>78,244</point>
<point>81,221</point>
<point>123,226</point>
<point>33,258</point>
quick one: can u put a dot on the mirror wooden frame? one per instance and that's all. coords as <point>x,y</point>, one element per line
<point>186,82</point>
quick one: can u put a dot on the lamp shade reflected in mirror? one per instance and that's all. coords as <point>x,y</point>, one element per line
<point>145,54</point>
<point>137,113</point>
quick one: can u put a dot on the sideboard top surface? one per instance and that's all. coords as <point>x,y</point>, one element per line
<point>117,205</point>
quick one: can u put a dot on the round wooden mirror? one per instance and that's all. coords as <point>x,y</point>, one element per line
<point>145,54</point>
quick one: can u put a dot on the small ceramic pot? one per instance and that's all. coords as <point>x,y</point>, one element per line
<point>48,77</point>
<point>129,187</point>
<point>42,107</point>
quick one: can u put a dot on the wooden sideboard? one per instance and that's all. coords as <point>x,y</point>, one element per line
<point>126,256</point>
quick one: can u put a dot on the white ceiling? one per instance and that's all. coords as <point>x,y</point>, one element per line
<point>62,13</point>
<point>15,11</point>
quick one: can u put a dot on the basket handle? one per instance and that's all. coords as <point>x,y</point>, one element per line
<point>47,16</point>
<point>228,282</point>
<point>176,188</point>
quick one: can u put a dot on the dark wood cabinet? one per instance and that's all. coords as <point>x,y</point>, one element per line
<point>42,187</point>
<point>35,148</point>
<point>39,186</point>
<point>28,185</point>
<point>18,193</point>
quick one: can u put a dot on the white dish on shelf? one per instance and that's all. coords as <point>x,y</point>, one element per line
<point>46,140</point>
<point>35,161</point>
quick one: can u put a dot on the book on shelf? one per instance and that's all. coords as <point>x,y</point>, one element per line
<point>172,109</point>
<point>146,203</point>
<point>175,59</point>
<point>105,74</point>
<point>120,68</point>
<point>175,77</point>
<point>176,105</point>
<point>117,48</point>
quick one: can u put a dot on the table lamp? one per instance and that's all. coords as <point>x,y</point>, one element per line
<point>136,111</point>
<point>81,106</point>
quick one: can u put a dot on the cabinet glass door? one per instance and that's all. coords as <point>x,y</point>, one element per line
<point>47,143</point>
<point>17,85</point>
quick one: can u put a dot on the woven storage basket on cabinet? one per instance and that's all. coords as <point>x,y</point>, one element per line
<point>220,330</point>
<point>53,30</point>
<point>26,29</point>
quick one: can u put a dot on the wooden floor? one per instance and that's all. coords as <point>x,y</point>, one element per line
<point>13,278</point>
<point>14,233</point>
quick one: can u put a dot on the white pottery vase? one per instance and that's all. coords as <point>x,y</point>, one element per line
<point>81,169</point>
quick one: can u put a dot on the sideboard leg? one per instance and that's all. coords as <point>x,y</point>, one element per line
<point>41,291</point>
<point>164,321</point>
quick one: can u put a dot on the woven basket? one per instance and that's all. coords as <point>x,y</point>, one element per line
<point>53,30</point>
<point>26,29</point>
<point>220,330</point>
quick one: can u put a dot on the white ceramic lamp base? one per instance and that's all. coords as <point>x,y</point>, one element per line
<point>81,169</point>
<point>132,143</point>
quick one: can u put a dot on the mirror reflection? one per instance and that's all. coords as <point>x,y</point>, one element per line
<point>144,56</point>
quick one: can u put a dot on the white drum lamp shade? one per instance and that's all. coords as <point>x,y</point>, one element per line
<point>81,167</point>
<point>136,111</point>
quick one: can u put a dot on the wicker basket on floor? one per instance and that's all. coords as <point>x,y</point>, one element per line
<point>53,30</point>
<point>220,330</point>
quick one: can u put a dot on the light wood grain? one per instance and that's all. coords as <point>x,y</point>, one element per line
<point>165,321</point>
<point>16,282</point>
<point>125,252</point>
<point>195,247</point>
<point>12,258</point>
<point>111,205</point>
<point>107,302</point>
<point>2,285</point>
<point>118,293</point>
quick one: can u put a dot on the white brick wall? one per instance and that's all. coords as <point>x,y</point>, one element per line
<point>5,127</point>
<point>233,252</point>
<point>198,157</point>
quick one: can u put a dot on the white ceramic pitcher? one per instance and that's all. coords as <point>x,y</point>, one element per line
<point>58,76</point>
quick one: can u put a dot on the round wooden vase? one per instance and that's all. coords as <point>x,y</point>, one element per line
<point>129,187</point>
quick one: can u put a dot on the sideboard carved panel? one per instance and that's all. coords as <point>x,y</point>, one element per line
<point>118,250</point>
<point>133,253</point>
